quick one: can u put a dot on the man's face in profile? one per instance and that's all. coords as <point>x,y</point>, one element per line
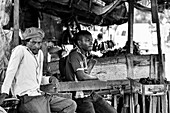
<point>86,42</point>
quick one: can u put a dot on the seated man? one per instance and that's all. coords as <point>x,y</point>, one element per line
<point>77,70</point>
<point>24,77</point>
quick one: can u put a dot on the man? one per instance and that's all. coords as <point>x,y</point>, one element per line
<point>77,69</point>
<point>24,77</point>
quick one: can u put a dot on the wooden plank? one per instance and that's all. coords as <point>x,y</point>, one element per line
<point>122,59</point>
<point>117,82</point>
<point>91,85</point>
<point>16,23</point>
<point>82,85</point>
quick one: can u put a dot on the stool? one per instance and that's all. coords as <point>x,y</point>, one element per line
<point>10,105</point>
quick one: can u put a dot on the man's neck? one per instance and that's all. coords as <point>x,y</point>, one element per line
<point>83,52</point>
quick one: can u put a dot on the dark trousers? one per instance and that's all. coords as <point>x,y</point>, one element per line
<point>94,104</point>
<point>46,104</point>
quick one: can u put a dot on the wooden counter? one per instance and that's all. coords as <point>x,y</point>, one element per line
<point>115,68</point>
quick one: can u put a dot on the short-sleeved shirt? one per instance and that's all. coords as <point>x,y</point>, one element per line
<point>75,61</point>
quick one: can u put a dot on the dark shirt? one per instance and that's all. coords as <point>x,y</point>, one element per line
<point>75,61</point>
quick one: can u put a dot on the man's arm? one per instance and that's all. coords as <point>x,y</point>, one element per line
<point>51,84</point>
<point>82,76</point>
<point>13,65</point>
<point>14,62</point>
<point>78,65</point>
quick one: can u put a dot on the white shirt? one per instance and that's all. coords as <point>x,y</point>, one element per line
<point>24,72</point>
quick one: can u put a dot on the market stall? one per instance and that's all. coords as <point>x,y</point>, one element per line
<point>102,13</point>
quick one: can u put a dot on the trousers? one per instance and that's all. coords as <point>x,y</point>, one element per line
<point>46,104</point>
<point>94,104</point>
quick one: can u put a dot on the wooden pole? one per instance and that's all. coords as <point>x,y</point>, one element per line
<point>130,26</point>
<point>161,73</point>
<point>115,101</point>
<point>155,19</point>
<point>161,70</point>
<point>130,49</point>
<point>143,100</point>
<point>16,24</point>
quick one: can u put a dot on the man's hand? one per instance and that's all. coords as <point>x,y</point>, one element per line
<point>53,80</point>
<point>90,64</point>
<point>2,97</point>
<point>93,77</point>
<point>48,88</point>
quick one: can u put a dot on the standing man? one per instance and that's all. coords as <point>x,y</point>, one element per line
<point>24,77</point>
<point>77,69</point>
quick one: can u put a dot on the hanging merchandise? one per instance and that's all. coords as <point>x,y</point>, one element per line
<point>5,37</point>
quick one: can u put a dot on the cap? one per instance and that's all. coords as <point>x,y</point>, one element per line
<point>33,32</point>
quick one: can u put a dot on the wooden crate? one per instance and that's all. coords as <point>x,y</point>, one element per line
<point>148,89</point>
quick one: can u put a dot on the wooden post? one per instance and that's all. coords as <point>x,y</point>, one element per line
<point>45,51</point>
<point>125,108</point>
<point>151,70</point>
<point>143,100</point>
<point>161,70</point>
<point>115,101</point>
<point>130,49</point>
<point>130,26</point>
<point>16,23</point>
<point>129,64</point>
<point>136,103</point>
<point>152,74</point>
<point>130,74</point>
<point>159,104</point>
<point>155,19</point>
<point>155,100</point>
<point>151,105</point>
<point>168,94</point>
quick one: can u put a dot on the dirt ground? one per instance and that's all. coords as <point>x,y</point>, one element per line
<point>118,71</point>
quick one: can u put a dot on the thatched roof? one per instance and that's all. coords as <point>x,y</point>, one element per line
<point>107,12</point>
<point>88,12</point>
